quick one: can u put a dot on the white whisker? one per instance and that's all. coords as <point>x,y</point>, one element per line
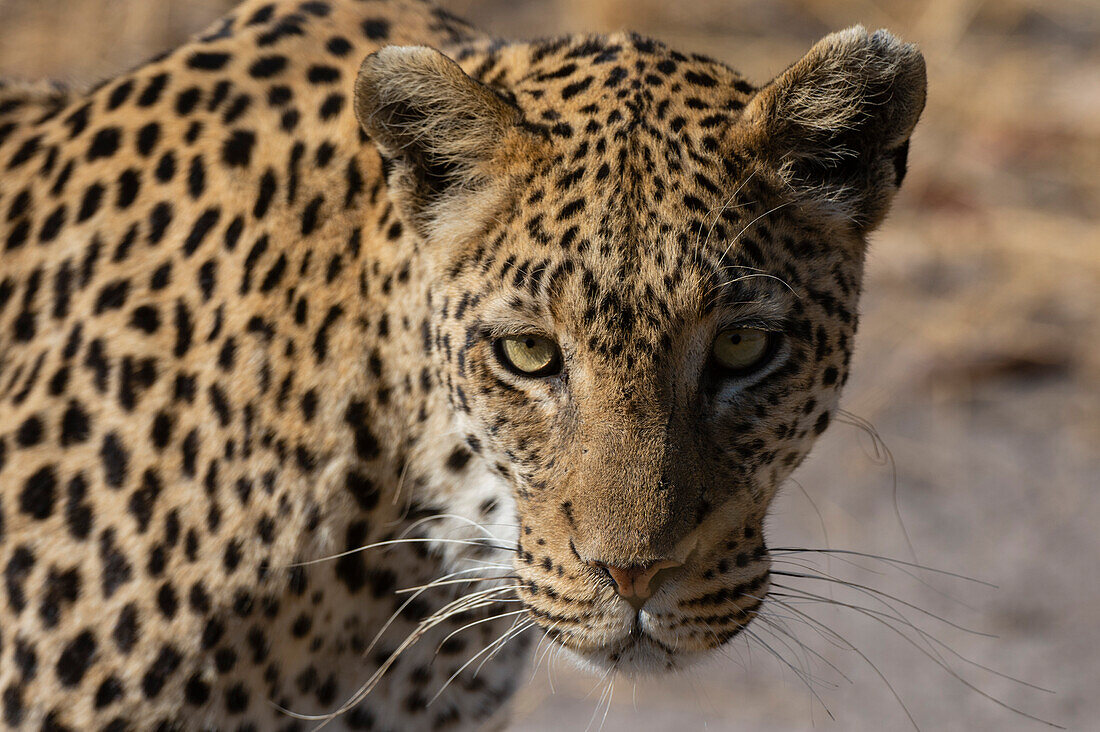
<point>504,638</point>
<point>392,542</point>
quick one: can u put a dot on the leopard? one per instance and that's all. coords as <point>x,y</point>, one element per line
<point>346,351</point>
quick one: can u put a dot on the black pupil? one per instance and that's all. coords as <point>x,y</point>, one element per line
<point>735,339</point>
<point>530,343</point>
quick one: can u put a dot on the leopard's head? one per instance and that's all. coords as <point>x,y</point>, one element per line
<point>645,277</point>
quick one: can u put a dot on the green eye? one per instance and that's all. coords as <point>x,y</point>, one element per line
<point>529,355</point>
<point>742,349</point>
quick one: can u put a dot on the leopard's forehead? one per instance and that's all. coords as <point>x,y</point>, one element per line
<point>617,84</point>
<point>641,220</point>
<point>627,110</point>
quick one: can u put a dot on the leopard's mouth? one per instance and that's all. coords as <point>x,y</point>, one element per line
<point>639,653</point>
<point>655,639</point>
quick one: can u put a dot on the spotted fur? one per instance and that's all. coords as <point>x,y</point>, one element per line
<point>248,294</point>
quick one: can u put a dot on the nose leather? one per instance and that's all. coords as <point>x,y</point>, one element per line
<point>634,581</point>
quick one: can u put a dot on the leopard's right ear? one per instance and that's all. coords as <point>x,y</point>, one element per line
<point>446,133</point>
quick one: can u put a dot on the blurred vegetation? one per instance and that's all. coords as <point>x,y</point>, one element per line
<point>979,357</point>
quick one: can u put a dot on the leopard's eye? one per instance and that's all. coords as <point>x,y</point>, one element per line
<point>529,355</point>
<point>742,350</point>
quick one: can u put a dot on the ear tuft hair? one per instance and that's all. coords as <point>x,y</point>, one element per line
<point>442,128</point>
<point>836,124</point>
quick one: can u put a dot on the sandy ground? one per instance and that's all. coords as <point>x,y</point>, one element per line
<point>978,365</point>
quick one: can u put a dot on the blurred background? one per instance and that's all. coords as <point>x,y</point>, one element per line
<point>978,366</point>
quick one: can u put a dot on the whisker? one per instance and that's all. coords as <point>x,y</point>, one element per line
<point>504,638</point>
<point>399,610</point>
<point>502,644</point>
<point>771,628</point>
<point>799,673</point>
<point>425,625</point>
<point>396,613</point>
<point>889,560</point>
<point>752,276</point>
<point>808,564</point>
<point>544,654</point>
<point>390,542</point>
<point>554,655</point>
<point>443,582</point>
<point>768,618</point>
<point>946,668</point>
<point>723,208</point>
<point>893,613</point>
<point>928,638</point>
<point>462,604</point>
<point>484,563</point>
<point>608,692</point>
<point>748,225</point>
<point>456,517</point>
<point>607,674</point>
<point>774,629</point>
<point>817,631</point>
<point>850,646</point>
<point>855,420</point>
<point>880,594</point>
<point>478,622</point>
<point>813,504</point>
<point>876,595</point>
<point>721,648</point>
<point>397,492</point>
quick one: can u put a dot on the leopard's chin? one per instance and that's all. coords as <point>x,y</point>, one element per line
<point>638,653</point>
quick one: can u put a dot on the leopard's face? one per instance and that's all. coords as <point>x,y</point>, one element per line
<point>642,315</point>
<point>585,352</point>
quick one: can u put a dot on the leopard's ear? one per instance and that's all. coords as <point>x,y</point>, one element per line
<point>836,124</point>
<point>443,131</point>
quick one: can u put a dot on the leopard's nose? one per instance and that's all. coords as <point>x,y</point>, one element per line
<point>636,583</point>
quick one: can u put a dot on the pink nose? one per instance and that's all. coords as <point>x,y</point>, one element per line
<point>634,581</point>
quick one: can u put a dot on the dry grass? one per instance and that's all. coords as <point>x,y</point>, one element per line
<point>979,360</point>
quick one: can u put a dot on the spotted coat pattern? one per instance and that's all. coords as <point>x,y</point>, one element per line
<point>248,299</point>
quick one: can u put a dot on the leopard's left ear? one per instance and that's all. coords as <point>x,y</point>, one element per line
<point>444,132</point>
<point>836,124</point>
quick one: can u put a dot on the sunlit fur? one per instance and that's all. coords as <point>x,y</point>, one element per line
<point>631,211</point>
<point>253,433</point>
